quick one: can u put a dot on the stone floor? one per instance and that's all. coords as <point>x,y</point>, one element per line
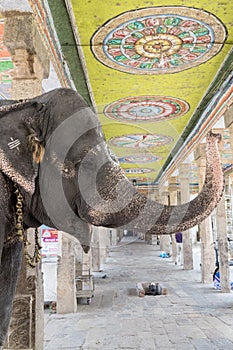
<point>191,316</point>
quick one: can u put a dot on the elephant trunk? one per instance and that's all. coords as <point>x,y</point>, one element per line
<point>118,204</point>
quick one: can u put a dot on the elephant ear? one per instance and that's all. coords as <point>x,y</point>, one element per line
<point>20,147</point>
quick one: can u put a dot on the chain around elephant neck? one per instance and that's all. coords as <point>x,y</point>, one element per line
<point>31,260</point>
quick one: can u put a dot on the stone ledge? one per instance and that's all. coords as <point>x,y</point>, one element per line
<point>14,8</point>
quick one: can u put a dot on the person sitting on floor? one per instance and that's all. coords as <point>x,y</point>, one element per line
<point>216,279</point>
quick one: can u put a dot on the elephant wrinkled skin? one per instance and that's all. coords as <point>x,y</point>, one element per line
<point>53,148</point>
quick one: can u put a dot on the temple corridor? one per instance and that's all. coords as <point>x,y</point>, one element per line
<point>191,316</point>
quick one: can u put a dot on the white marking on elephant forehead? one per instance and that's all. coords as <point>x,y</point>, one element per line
<point>14,175</point>
<point>14,143</point>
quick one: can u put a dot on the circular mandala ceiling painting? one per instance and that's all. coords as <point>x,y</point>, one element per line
<point>146,108</point>
<point>139,158</point>
<point>158,40</point>
<point>140,141</point>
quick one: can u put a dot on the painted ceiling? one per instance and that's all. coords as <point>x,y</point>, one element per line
<point>148,69</point>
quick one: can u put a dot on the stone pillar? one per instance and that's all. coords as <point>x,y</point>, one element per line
<point>205,227</point>
<point>154,196</point>
<point>113,237</point>
<point>95,249</point>
<point>185,197</point>
<point>31,65</point>
<point>120,235</point>
<point>100,247</point>
<point>223,247</point>
<point>164,239</point>
<point>221,223</point>
<point>221,217</point>
<point>66,289</point>
<point>104,244</point>
<point>228,119</point>
<point>25,332</point>
<point>83,273</point>
<point>172,188</point>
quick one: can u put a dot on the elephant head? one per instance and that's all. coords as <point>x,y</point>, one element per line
<point>54,148</point>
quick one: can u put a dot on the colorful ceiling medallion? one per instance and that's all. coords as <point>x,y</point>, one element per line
<point>137,170</point>
<point>140,158</point>
<point>146,108</point>
<point>158,40</point>
<point>140,141</point>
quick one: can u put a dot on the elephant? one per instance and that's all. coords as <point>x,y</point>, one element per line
<point>54,155</point>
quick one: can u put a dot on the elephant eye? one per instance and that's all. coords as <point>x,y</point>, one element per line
<point>68,170</point>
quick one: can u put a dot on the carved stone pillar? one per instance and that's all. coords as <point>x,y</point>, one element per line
<point>25,332</point>
<point>31,65</point>
<point>185,197</point>
<point>172,188</point>
<point>205,227</point>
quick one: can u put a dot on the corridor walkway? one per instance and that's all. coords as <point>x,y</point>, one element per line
<point>191,316</point>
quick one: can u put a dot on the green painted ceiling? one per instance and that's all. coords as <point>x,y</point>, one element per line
<point>151,72</point>
<point>119,91</point>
